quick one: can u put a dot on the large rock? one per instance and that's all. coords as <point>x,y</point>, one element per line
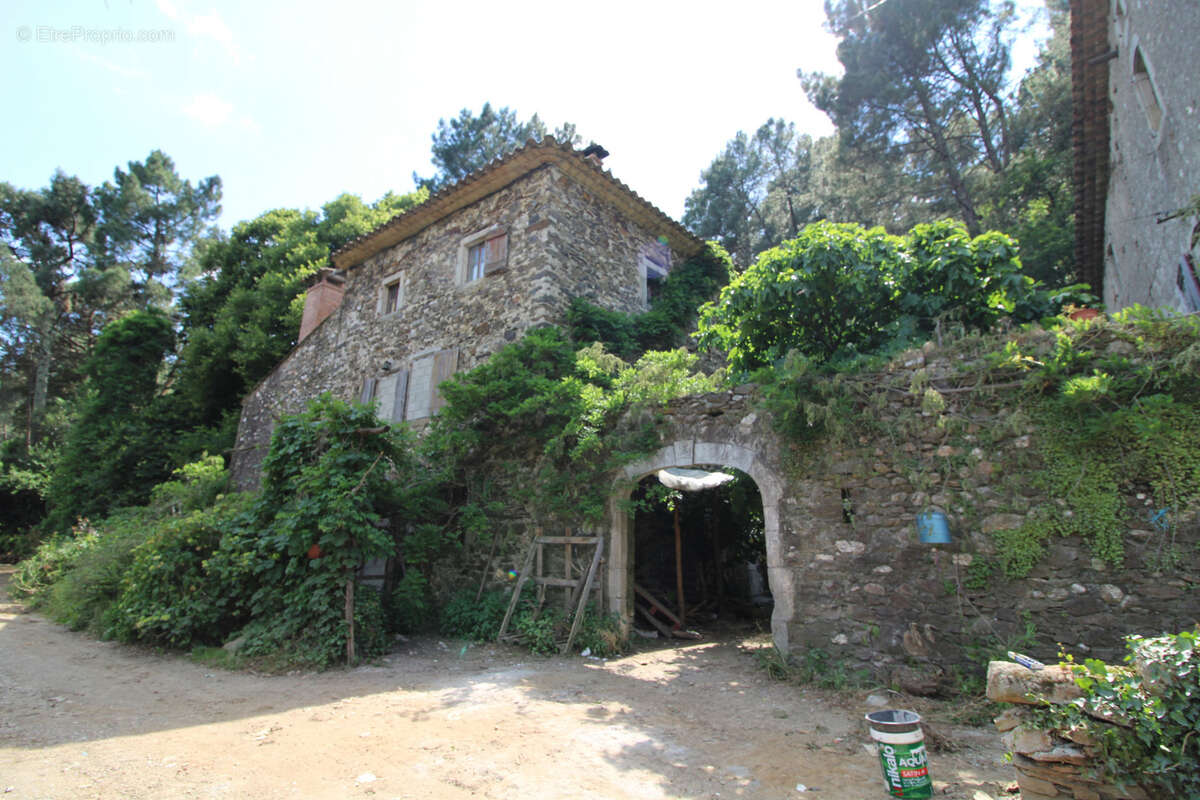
<point>1012,683</point>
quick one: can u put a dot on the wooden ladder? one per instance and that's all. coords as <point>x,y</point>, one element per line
<point>579,587</point>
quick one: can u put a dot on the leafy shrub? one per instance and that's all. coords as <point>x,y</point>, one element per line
<point>601,634</point>
<point>83,595</point>
<point>479,621</point>
<point>672,312</point>
<point>838,289</point>
<point>37,574</point>
<point>172,593</point>
<point>1155,703</point>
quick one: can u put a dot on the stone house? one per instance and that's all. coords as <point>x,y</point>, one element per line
<point>1136,132</point>
<point>441,287</point>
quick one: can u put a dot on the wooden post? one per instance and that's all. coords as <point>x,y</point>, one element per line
<point>679,569</point>
<point>350,656</point>
<point>567,592</point>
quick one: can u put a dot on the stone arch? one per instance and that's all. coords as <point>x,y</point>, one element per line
<point>692,453</point>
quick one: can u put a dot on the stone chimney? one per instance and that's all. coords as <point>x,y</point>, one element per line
<point>595,154</point>
<point>323,298</point>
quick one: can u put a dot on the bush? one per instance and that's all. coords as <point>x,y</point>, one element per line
<point>173,593</point>
<point>464,617</point>
<point>839,289</point>
<point>85,592</point>
<point>1156,704</point>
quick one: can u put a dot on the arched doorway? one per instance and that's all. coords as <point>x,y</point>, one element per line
<point>698,454</point>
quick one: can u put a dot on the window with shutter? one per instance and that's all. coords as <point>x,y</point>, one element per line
<point>482,253</point>
<point>391,294</point>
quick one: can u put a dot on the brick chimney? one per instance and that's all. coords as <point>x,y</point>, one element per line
<point>322,299</point>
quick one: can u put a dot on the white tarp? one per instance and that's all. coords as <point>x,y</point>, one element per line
<point>692,480</point>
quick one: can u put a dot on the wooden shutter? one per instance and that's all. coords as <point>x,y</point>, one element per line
<point>495,254</point>
<point>368,391</point>
<point>445,364</point>
<point>398,406</point>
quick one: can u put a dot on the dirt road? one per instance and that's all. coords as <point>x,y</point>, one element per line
<point>83,719</point>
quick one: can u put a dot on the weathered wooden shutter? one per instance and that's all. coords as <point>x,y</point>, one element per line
<point>445,364</point>
<point>368,391</point>
<point>495,254</point>
<point>401,395</point>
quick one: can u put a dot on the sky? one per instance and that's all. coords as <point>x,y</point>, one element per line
<point>293,103</point>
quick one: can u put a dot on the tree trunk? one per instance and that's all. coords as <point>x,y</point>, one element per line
<point>44,361</point>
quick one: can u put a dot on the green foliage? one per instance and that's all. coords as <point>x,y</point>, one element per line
<point>542,400</point>
<point>409,607</point>
<point>150,221</point>
<point>111,457</point>
<point>332,473</point>
<point>924,82</point>
<point>173,593</point>
<point>671,316</point>
<point>478,620</point>
<point>76,579</point>
<point>1120,399</point>
<point>469,142</point>
<point>814,667</point>
<point>836,290</point>
<point>37,574</point>
<point>1155,703</point>
<point>242,317</point>
<point>825,290</point>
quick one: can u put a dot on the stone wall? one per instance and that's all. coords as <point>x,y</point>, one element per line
<point>848,572</point>
<point>562,242</point>
<point>1051,763</point>
<point>1155,151</point>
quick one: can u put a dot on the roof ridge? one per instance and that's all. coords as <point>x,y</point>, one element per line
<point>444,195</point>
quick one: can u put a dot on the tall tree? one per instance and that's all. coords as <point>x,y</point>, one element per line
<point>756,192</point>
<point>151,221</point>
<point>54,297</point>
<point>242,316</point>
<point>113,453</point>
<point>467,142</point>
<point>926,81</point>
<point>1033,198</point>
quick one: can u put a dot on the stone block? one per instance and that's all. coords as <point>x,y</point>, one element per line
<point>1012,683</point>
<point>1002,522</point>
<point>1035,788</point>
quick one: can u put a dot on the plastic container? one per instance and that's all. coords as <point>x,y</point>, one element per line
<point>901,753</point>
<point>933,528</point>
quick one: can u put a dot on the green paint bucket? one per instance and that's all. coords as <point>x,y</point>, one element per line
<point>901,753</point>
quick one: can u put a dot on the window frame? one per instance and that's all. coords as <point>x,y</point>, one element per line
<point>470,272</point>
<point>397,279</point>
<point>1145,88</point>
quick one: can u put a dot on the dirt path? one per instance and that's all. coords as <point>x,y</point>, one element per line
<point>82,719</point>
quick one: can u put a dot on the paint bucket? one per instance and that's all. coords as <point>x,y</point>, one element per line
<point>932,528</point>
<point>901,753</point>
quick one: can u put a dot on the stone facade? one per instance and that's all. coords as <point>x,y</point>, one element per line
<point>568,229</point>
<point>1152,164</point>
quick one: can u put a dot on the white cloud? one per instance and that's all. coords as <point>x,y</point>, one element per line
<point>168,8</point>
<point>208,109</point>
<point>209,25</point>
<point>212,26</point>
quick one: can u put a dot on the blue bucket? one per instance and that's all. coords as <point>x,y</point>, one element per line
<point>932,528</point>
